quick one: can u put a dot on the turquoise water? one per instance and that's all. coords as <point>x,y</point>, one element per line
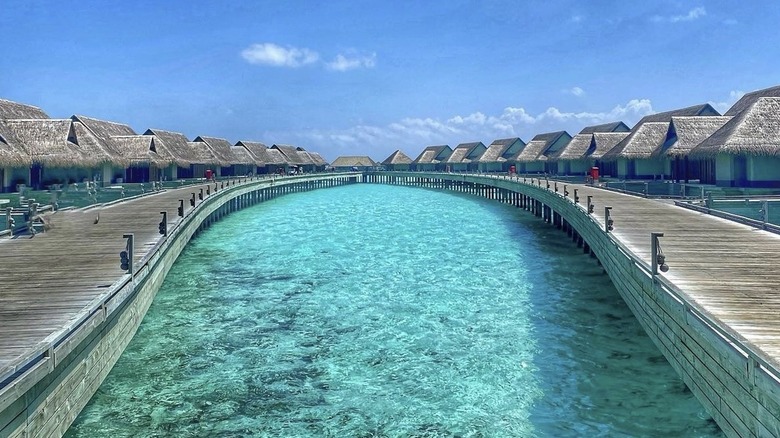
<point>373,310</point>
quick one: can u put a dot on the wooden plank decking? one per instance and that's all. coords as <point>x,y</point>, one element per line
<point>47,280</point>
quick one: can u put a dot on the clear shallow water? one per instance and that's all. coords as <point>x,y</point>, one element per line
<point>389,311</point>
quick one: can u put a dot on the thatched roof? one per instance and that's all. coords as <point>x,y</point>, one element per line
<point>175,144</point>
<point>640,143</point>
<point>353,161</point>
<point>306,157</point>
<point>606,127</point>
<point>16,110</point>
<point>220,147</point>
<point>141,149</point>
<point>685,133</point>
<point>276,157</point>
<point>318,159</point>
<point>576,149</point>
<point>397,157</point>
<point>704,109</point>
<point>433,155</point>
<point>242,156</point>
<point>603,142</point>
<point>105,132</point>
<point>290,154</point>
<point>749,99</point>
<point>592,145</point>
<point>466,152</point>
<point>56,142</point>
<point>10,154</point>
<point>753,131</point>
<point>502,150</point>
<point>201,153</point>
<point>539,146</point>
<point>258,150</point>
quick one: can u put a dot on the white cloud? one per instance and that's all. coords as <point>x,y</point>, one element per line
<point>411,134</point>
<point>577,91</point>
<point>693,14</point>
<point>723,106</point>
<point>351,61</point>
<point>576,18</point>
<point>278,56</point>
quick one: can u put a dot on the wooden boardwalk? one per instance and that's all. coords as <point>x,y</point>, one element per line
<point>47,280</point>
<point>727,269</point>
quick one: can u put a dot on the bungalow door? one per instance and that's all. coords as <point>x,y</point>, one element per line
<point>36,176</point>
<point>740,171</point>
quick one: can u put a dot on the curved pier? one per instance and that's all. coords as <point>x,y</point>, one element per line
<point>712,314</point>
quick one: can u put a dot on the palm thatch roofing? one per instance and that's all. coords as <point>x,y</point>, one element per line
<point>175,144</point>
<point>606,127</point>
<point>397,157</point>
<point>640,143</point>
<point>353,161</point>
<point>501,150</point>
<point>685,133</point>
<point>431,154</point>
<point>749,99</point>
<point>464,151</point>
<point>536,149</point>
<point>242,156</point>
<point>57,142</point>
<point>306,156</point>
<point>11,155</point>
<point>276,157</point>
<point>318,159</point>
<point>589,145</point>
<point>105,132</point>
<point>290,154</point>
<point>754,131</point>
<point>220,147</point>
<point>15,110</point>
<point>704,109</point>
<point>143,149</point>
<point>258,150</point>
<point>201,153</point>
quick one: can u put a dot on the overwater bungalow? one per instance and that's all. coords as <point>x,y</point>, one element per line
<point>353,162</point>
<point>203,159</point>
<point>62,151</point>
<point>177,147</point>
<point>279,161</point>
<point>149,161</point>
<point>533,158</point>
<point>244,164</point>
<point>745,151</point>
<point>143,162</point>
<point>432,158</point>
<point>684,134</point>
<point>496,156</point>
<point>221,149</point>
<point>295,162</point>
<point>318,162</point>
<point>633,156</point>
<point>464,156</point>
<point>12,160</point>
<point>260,153</point>
<point>586,148</point>
<point>397,161</point>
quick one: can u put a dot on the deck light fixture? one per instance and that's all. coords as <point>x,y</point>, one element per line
<point>591,207</point>
<point>180,210</point>
<point>576,197</point>
<point>163,225</point>
<point>192,200</point>
<point>609,224</point>
<point>658,261</point>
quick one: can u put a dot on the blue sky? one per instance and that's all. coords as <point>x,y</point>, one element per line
<point>368,77</point>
